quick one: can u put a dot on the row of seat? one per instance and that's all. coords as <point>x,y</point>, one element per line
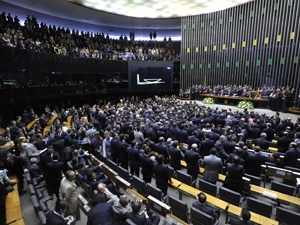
<point>38,199</point>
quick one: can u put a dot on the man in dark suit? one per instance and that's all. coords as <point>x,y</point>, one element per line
<point>175,155</point>
<point>122,148</point>
<point>48,139</point>
<point>25,117</point>
<point>162,175</point>
<point>281,127</point>
<point>147,165</point>
<point>200,205</point>
<point>262,142</point>
<point>45,158</point>
<point>193,139</point>
<point>134,157</point>
<point>206,145</point>
<point>254,131</point>
<point>101,213</point>
<point>162,149</point>
<point>244,220</point>
<point>54,216</point>
<point>229,145</point>
<point>291,156</point>
<point>212,166</point>
<point>181,135</point>
<point>54,175</point>
<point>254,161</point>
<point>283,143</point>
<point>220,148</point>
<point>269,131</point>
<point>235,171</point>
<point>191,158</point>
<point>141,218</point>
<point>58,145</point>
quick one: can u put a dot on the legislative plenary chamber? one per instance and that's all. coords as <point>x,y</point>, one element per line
<point>139,112</point>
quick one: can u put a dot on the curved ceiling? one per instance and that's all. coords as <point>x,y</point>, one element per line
<point>158,8</point>
<point>75,16</point>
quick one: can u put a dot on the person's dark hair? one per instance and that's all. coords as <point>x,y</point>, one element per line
<point>55,155</point>
<point>133,143</point>
<point>100,198</point>
<point>68,174</point>
<point>146,150</point>
<point>74,160</point>
<point>60,205</point>
<point>175,143</point>
<point>275,155</point>
<point>201,197</point>
<point>245,214</point>
<point>2,165</point>
<point>160,159</point>
<point>90,174</point>
<point>213,151</point>
<point>256,148</point>
<point>136,207</point>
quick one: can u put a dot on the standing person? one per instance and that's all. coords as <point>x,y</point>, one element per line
<point>234,176</point>
<point>134,157</point>
<point>212,166</point>
<point>68,193</point>
<point>162,175</point>
<point>54,216</point>
<point>55,175</point>
<point>147,166</point>
<point>191,158</point>
<point>101,213</point>
<point>175,155</point>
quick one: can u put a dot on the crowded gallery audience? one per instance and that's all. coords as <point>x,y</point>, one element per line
<point>44,38</point>
<point>143,134</point>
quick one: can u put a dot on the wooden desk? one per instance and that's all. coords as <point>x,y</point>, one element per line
<point>122,183</point>
<point>281,173</point>
<point>69,121</point>
<point>272,149</point>
<point>18,222</point>
<point>226,98</point>
<point>13,205</point>
<point>158,206</point>
<point>136,195</point>
<point>175,183</point>
<point>280,196</point>
<point>234,210</point>
<point>28,127</point>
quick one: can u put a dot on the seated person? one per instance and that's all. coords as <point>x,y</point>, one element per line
<point>4,179</point>
<point>112,193</point>
<point>142,217</point>
<point>93,180</point>
<point>123,206</point>
<point>244,220</point>
<point>200,205</point>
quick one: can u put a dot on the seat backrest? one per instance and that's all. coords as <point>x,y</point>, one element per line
<point>87,188</point>
<point>200,218</point>
<point>42,217</point>
<point>154,192</point>
<point>117,214</point>
<point>184,178</point>
<point>207,187</point>
<point>287,216</point>
<point>229,196</point>
<point>123,173</point>
<point>253,179</point>
<point>179,208</point>
<point>112,165</point>
<point>259,207</point>
<point>139,185</point>
<point>283,188</point>
<point>35,204</point>
<point>129,222</point>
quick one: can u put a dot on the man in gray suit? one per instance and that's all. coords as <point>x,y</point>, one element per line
<point>138,135</point>
<point>212,166</point>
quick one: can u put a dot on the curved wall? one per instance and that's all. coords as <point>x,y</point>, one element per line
<point>256,43</point>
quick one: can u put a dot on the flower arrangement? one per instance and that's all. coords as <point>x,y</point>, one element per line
<point>208,101</point>
<point>245,105</point>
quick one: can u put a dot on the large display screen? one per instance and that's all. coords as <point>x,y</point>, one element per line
<point>145,76</point>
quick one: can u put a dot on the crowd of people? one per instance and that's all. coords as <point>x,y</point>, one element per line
<point>280,98</point>
<point>128,132</point>
<point>42,38</point>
